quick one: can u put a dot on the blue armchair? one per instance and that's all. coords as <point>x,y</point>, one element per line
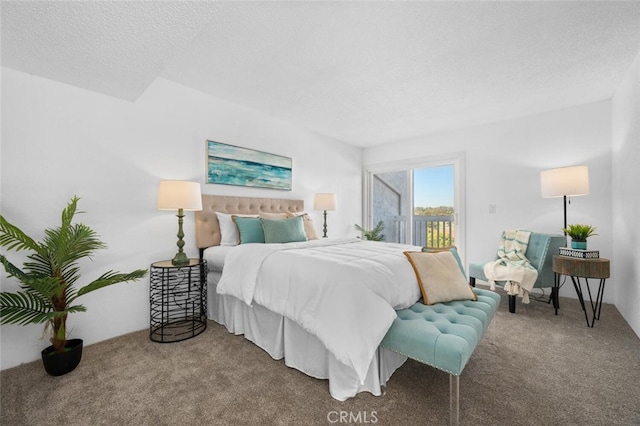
<point>539,252</point>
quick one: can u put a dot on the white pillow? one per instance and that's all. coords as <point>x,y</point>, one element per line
<point>228,229</point>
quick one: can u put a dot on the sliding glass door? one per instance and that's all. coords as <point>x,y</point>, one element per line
<point>434,206</point>
<point>389,200</point>
<point>419,203</point>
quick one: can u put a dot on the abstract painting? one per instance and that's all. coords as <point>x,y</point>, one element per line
<point>233,165</point>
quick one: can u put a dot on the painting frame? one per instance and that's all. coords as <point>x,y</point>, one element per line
<point>239,166</point>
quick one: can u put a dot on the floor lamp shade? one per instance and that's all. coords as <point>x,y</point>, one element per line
<point>564,182</point>
<point>179,195</point>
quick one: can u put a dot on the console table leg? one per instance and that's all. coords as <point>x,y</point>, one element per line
<point>578,287</point>
<point>600,297</point>
<point>597,308</point>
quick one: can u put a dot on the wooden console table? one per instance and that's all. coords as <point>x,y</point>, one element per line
<point>582,268</point>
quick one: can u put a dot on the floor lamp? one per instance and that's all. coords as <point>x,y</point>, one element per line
<point>324,201</point>
<point>565,182</point>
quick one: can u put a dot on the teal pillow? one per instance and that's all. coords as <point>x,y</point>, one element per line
<point>453,251</point>
<point>283,230</point>
<point>249,229</point>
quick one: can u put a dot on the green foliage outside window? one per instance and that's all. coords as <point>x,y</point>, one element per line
<point>434,211</point>
<point>439,230</point>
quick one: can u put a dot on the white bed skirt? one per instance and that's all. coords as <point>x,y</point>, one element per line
<point>282,338</point>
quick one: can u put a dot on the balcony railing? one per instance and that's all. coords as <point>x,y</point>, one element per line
<point>430,231</point>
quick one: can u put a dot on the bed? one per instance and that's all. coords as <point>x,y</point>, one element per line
<point>292,300</point>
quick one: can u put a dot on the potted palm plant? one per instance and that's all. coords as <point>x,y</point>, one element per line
<point>47,283</point>
<point>374,234</point>
<point>579,234</point>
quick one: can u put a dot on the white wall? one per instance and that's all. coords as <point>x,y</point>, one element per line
<point>59,141</point>
<point>626,196</point>
<point>503,164</point>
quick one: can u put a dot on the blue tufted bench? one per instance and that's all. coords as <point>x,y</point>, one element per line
<point>443,336</point>
<point>540,251</point>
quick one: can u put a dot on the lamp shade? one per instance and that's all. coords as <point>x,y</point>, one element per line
<point>565,181</point>
<point>324,201</point>
<point>178,194</point>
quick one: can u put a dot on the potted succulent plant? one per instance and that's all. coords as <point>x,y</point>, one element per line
<point>579,234</point>
<point>47,283</point>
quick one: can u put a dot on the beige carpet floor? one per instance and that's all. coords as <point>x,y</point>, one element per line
<point>531,368</point>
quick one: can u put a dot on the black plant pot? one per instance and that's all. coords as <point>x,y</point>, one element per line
<point>65,362</point>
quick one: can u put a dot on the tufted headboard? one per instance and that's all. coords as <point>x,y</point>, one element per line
<point>207,227</point>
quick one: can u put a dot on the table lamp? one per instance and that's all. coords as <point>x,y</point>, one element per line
<point>179,195</point>
<point>324,201</point>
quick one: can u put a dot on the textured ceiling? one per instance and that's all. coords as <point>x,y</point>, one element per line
<point>366,73</point>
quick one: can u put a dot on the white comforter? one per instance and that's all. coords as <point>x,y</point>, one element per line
<point>342,291</point>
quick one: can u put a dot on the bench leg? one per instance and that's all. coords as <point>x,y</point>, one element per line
<point>454,399</point>
<point>512,303</point>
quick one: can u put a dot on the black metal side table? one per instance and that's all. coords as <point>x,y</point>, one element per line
<point>178,299</point>
<point>582,268</point>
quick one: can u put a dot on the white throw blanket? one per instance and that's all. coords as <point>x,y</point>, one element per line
<point>345,292</point>
<point>512,265</point>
